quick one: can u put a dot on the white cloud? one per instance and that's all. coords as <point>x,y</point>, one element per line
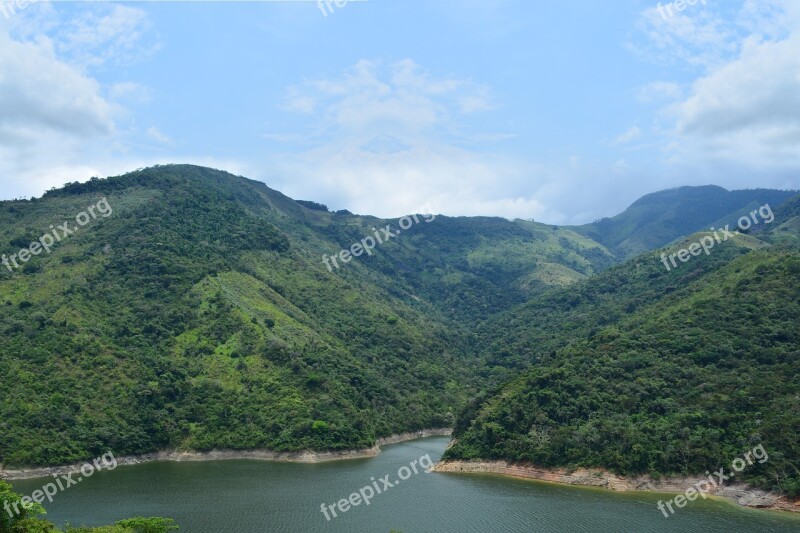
<point>296,102</point>
<point>398,179</point>
<point>759,90</point>
<point>94,34</point>
<point>402,99</point>
<point>128,91</point>
<point>391,138</point>
<point>699,37</point>
<point>42,94</point>
<point>389,141</point>
<point>57,122</point>
<point>740,117</point>
<point>105,33</point>
<point>474,103</point>
<point>624,138</point>
<point>159,136</point>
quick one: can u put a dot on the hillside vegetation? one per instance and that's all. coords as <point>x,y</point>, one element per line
<point>640,370</point>
<point>22,516</point>
<point>657,219</point>
<point>199,313</point>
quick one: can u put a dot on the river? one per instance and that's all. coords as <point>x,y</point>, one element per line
<point>256,496</point>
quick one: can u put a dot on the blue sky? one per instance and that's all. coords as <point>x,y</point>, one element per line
<point>559,111</point>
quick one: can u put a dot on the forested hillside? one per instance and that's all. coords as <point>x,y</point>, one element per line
<point>640,370</point>
<point>199,314</point>
<point>657,219</point>
<point>532,333</point>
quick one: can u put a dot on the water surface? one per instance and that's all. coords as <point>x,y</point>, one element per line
<point>255,496</point>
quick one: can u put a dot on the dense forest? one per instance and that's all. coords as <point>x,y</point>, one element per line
<point>640,370</point>
<point>199,314</point>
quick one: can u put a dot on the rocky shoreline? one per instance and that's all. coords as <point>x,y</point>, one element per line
<point>305,456</point>
<point>739,493</point>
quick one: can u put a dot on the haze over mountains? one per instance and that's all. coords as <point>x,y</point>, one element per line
<point>200,315</point>
<point>659,218</point>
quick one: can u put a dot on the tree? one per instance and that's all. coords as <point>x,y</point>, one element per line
<point>17,515</point>
<point>148,525</point>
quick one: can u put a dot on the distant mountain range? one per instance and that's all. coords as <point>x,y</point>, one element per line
<point>659,218</point>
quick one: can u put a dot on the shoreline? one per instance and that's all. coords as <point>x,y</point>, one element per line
<point>739,493</point>
<point>302,456</point>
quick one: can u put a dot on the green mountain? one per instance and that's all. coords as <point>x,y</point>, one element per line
<point>185,307</point>
<point>644,370</point>
<point>199,313</point>
<point>786,226</point>
<point>659,218</point>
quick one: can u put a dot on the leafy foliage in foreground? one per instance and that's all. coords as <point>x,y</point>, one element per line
<point>28,519</point>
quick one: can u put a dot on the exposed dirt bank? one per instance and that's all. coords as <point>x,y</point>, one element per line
<point>737,492</point>
<point>219,455</point>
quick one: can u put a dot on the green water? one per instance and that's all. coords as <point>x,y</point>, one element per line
<point>254,496</point>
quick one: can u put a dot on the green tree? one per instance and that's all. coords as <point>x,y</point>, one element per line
<point>148,525</point>
<point>18,516</point>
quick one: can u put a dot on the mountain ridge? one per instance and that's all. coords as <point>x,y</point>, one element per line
<point>641,370</point>
<point>200,315</point>
<point>659,218</point>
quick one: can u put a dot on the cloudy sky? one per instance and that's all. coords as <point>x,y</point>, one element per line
<point>563,112</point>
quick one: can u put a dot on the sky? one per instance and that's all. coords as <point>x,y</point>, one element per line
<point>562,112</point>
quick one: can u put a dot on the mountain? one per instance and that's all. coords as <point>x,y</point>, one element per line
<point>786,229</point>
<point>185,307</point>
<point>659,218</point>
<point>644,370</point>
<point>194,310</point>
